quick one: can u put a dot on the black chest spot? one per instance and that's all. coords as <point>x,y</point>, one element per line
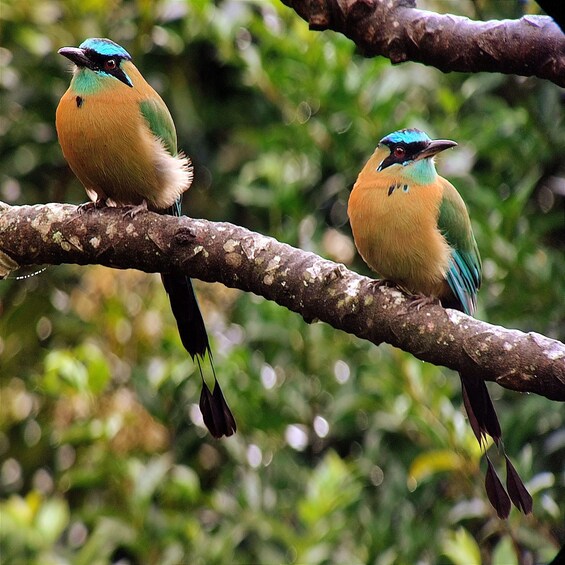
<point>393,187</point>
<point>79,101</point>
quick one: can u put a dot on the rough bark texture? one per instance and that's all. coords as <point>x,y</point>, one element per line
<point>315,288</point>
<point>530,46</point>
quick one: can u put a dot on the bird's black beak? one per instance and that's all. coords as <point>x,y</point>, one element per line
<point>434,147</point>
<point>76,55</point>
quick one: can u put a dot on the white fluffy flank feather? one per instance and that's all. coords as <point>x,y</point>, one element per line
<point>174,175</point>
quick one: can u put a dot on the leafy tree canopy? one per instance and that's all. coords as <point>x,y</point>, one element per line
<point>346,453</point>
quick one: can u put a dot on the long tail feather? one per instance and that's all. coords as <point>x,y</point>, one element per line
<point>215,411</point>
<point>479,407</point>
<point>187,313</point>
<point>478,430</point>
<point>495,492</point>
<point>519,495</point>
<point>484,421</point>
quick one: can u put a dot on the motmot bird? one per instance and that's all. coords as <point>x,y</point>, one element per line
<point>411,226</point>
<point>119,138</point>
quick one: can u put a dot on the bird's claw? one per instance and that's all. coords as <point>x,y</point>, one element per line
<point>87,206</point>
<point>423,300</point>
<point>133,211</point>
<point>379,283</point>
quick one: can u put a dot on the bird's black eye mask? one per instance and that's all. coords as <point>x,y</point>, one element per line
<point>402,153</point>
<point>108,64</point>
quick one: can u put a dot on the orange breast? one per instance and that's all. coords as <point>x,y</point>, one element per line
<point>395,230</point>
<point>107,144</point>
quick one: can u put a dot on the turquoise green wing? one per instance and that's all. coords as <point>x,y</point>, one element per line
<point>464,275</point>
<point>160,122</point>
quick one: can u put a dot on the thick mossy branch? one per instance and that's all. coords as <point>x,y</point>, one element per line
<point>529,46</point>
<point>305,283</point>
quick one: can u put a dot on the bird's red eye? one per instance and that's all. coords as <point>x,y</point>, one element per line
<point>399,151</point>
<point>110,65</point>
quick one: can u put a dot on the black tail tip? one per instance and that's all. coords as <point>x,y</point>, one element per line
<point>496,493</point>
<point>216,413</point>
<point>517,493</point>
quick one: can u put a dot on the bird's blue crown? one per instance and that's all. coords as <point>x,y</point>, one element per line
<point>412,135</point>
<point>105,47</point>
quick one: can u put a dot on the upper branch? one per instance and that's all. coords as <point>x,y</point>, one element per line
<point>530,46</point>
<point>303,282</point>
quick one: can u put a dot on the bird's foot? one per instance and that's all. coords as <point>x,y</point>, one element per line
<point>96,205</point>
<point>133,211</point>
<point>378,283</point>
<point>423,300</point>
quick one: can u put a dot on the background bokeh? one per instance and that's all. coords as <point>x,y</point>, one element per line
<point>346,452</point>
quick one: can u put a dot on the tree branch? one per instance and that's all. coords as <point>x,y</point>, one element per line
<point>303,282</point>
<point>530,46</point>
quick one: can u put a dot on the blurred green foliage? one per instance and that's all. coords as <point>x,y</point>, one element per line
<point>346,453</point>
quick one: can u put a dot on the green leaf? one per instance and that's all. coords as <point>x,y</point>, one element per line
<point>461,547</point>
